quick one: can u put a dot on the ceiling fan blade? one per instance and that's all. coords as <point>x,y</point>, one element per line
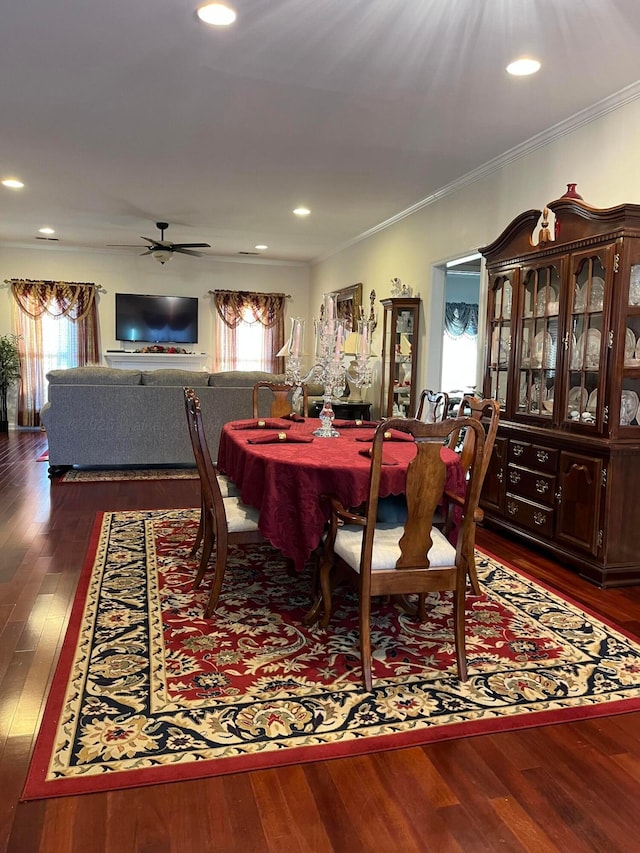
<point>191,245</point>
<point>148,252</point>
<point>186,252</point>
<point>148,239</point>
<point>122,246</point>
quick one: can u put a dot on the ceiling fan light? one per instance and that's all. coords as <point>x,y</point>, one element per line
<point>216,14</point>
<point>163,256</point>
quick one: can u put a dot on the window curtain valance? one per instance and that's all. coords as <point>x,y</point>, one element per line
<point>460,318</point>
<point>234,305</point>
<point>69,299</point>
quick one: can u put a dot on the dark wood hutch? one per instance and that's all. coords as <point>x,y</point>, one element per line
<point>563,359</point>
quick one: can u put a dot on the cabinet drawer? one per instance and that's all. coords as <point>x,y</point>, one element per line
<point>534,456</point>
<point>536,485</point>
<point>530,515</point>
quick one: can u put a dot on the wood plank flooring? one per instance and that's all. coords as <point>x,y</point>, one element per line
<point>571,787</point>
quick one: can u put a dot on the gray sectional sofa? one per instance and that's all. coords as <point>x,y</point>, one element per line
<point>105,416</point>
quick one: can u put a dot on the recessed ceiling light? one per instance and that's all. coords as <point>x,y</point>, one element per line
<point>46,231</point>
<point>302,211</point>
<point>523,67</point>
<point>261,247</point>
<point>12,183</point>
<point>216,14</point>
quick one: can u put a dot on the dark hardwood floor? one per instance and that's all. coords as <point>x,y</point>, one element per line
<point>570,787</point>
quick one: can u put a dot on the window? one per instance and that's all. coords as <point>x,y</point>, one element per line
<point>57,326</point>
<point>249,330</point>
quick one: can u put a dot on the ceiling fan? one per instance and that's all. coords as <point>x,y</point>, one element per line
<point>163,250</point>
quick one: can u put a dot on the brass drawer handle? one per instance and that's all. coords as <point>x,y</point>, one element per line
<point>514,476</point>
<point>539,518</point>
<point>542,456</point>
<point>518,449</point>
<point>542,486</point>
<point>512,507</point>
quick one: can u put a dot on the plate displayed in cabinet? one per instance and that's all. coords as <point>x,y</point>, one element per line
<point>592,403</point>
<point>577,399</point>
<point>596,299</point>
<point>628,407</point>
<point>634,285</point>
<point>592,359</point>
<point>547,301</point>
<point>542,349</point>
<point>629,347</point>
<point>576,353</point>
<point>500,346</point>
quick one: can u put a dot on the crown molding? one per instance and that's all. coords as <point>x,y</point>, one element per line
<point>546,137</point>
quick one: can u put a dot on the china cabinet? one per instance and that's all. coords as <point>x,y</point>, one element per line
<point>563,359</point>
<point>399,357</point>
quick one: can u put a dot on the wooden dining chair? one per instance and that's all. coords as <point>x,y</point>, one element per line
<point>284,397</point>
<point>224,521</point>
<point>409,557</point>
<point>433,406</point>
<point>228,489</point>
<point>487,412</point>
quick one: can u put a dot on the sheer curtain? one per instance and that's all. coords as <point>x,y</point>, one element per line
<point>460,346</point>
<point>57,325</point>
<point>249,330</point>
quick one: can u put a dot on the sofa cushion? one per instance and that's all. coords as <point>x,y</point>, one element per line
<point>242,378</point>
<point>175,376</point>
<point>94,375</point>
<point>314,390</point>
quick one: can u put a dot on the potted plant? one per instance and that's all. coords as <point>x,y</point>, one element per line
<point>9,373</point>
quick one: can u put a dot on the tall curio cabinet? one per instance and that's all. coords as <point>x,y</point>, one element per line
<point>399,357</point>
<point>563,359</point>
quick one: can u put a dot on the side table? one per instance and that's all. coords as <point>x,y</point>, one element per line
<point>347,411</point>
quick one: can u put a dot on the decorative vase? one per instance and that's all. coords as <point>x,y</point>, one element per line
<point>571,192</point>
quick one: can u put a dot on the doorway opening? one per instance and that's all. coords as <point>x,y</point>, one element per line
<point>459,371</point>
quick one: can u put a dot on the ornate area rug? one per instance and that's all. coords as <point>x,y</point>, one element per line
<point>148,691</point>
<point>103,475</point>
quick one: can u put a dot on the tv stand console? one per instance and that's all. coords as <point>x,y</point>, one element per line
<point>156,360</point>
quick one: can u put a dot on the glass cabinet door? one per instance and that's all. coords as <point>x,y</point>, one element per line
<point>538,351</point>
<point>399,357</point>
<point>500,338</point>
<point>587,341</point>
<point>630,351</point>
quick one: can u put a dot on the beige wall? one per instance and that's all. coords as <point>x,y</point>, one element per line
<point>598,153</point>
<point>126,274</point>
<point>600,156</point>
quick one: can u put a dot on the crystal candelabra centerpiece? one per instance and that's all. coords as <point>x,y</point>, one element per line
<point>331,334</point>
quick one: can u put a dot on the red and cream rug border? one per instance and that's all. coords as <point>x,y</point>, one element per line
<point>38,787</point>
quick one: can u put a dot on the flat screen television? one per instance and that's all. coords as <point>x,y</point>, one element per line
<point>156,319</point>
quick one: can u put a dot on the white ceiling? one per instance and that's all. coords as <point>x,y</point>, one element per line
<point>120,113</point>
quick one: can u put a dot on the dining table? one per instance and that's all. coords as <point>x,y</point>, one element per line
<point>283,470</point>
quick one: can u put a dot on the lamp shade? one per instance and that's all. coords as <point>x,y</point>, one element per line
<point>162,255</point>
<point>351,343</point>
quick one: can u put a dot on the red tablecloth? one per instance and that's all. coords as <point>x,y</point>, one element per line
<point>285,481</point>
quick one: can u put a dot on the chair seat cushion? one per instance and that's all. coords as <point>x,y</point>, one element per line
<point>228,488</point>
<point>240,517</point>
<point>386,548</point>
